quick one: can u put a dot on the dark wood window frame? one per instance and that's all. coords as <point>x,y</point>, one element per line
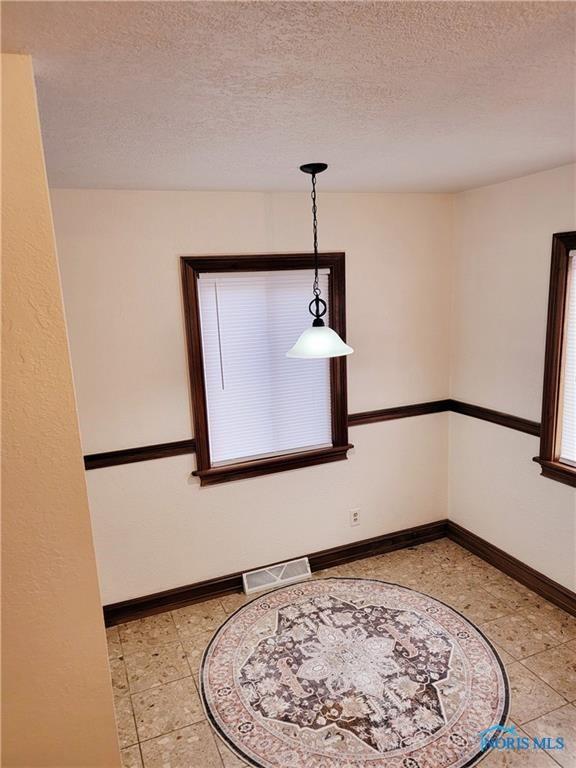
<point>549,458</point>
<point>191,267</point>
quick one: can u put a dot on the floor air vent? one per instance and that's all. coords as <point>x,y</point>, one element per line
<point>276,575</point>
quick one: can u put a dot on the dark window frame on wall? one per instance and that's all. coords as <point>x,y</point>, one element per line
<point>549,458</point>
<point>192,267</point>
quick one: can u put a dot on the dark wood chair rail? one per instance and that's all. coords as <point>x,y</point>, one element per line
<point>164,450</point>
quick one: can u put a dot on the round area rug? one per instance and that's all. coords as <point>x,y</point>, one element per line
<point>352,673</point>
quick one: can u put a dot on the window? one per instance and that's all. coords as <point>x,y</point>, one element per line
<point>558,431</point>
<point>255,410</point>
<point>568,393</point>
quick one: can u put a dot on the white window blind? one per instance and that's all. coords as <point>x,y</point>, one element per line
<point>261,403</point>
<point>568,436</point>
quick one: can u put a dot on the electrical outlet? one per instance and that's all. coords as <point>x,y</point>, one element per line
<point>354,517</point>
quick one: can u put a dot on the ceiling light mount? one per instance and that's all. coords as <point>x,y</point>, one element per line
<point>313,168</point>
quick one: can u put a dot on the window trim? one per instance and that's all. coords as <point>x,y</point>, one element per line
<point>191,268</point>
<point>549,458</point>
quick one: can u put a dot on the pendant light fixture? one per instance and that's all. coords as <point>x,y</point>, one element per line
<point>319,340</point>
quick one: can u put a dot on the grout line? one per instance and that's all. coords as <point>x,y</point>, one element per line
<point>185,725</point>
<point>128,746</point>
<point>123,659</point>
<point>215,740</point>
<point>159,685</point>
<point>552,648</point>
<point>547,752</point>
<point>546,712</point>
<point>556,709</point>
<point>566,701</point>
<point>521,661</point>
<point>174,730</point>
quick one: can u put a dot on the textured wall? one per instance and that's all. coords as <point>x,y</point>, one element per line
<point>55,676</point>
<point>502,245</point>
<point>154,527</point>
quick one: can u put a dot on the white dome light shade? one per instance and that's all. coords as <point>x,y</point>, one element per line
<point>317,342</point>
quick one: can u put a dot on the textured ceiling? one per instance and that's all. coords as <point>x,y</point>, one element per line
<point>235,95</point>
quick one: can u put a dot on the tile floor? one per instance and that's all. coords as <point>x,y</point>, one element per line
<point>154,661</point>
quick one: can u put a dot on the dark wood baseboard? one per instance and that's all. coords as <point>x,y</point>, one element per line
<point>495,417</point>
<point>561,596</point>
<point>378,545</point>
<point>139,607</point>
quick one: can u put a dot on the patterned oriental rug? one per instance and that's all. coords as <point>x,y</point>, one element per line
<point>352,673</point>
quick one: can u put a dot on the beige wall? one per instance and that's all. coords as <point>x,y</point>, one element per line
<point>56,685</point>
<point>502,245</point>
<point>154,527</point>
<point>121,278</point>
<point>419,268</point>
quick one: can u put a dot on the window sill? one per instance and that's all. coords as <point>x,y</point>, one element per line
<point>245,469</point>
<point>556,470</point>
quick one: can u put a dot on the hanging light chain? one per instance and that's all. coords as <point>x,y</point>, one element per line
<point>316,285</point>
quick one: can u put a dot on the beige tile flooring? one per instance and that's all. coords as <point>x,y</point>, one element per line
<point>154,661</point>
